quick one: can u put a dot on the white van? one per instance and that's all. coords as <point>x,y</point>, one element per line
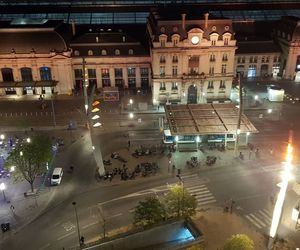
<point>56,176</point>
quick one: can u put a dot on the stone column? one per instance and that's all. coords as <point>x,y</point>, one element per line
<point>112,77</point>
<point>99,77</point>
<point>125,77</point>
<point>138,77</point>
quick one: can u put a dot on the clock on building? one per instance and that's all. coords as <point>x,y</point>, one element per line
<point>195,40</point>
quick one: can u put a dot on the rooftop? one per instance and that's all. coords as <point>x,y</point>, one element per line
<point>206,119</point>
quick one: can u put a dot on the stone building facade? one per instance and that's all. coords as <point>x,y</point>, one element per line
<point>113,59</point>
<point>192,57</point>
<point>287,35</point>
<point>34,60</point>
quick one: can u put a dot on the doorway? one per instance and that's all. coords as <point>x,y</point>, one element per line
<point>192,94</point>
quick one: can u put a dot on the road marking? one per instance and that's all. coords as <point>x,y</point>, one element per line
<point>205,202</point>
<point>198,188</point>
<point>66,235</point>
<point>45,246</point>
<point>91,224</point>
<point>265,215</point>
<point>252,221</point>
<point>115,215</point>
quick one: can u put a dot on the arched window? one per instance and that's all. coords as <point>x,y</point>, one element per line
<point>117,52</point>
<point>45,73</point>
<point>76,53</point>
<point>90,52</point>
<point>130,52</point>
<point>26,74</point>
<point>7,75</point>
<point>103,52</point>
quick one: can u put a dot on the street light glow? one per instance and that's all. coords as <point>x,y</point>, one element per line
<point>130,115</point>
<point>248,133</point>
<point>2,136</point>
<point>12,168</point>
<point>197,138</point>
<point>238,131</point>
<point>269,111</point>
<point>28,140</point>
<point>2,186</point>
<point>130,101</point>
<point>86,107</point>
<point>285,176</point>
<point>256,97</point>
<point>21,153</point>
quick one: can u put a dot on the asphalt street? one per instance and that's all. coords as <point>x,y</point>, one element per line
<point>250,187</point>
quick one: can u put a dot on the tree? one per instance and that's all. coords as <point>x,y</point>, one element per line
<point>149,212</point>
<point>239,242</point>
<point>30,158</point>
<point>179,202</point>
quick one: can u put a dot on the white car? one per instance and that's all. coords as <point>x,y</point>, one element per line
<point>56,176</point>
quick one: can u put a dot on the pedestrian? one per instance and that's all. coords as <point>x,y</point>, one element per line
<point>250,154</point>
<point>128,144</point>
<point>256,152</point>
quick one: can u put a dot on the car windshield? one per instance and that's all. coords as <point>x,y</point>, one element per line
<point>55,176</point>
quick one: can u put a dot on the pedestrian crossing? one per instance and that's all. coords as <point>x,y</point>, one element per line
<point>197,188</point>
<point>260,219</point>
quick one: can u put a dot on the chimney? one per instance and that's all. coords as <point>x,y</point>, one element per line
<point>183,20</point>
<point>206,20</point>
<point>73,28</point>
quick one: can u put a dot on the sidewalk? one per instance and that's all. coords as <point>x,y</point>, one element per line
<point>218,226</point>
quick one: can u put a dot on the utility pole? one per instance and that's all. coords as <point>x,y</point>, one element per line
<point>85,85</point>
<point>238,129</point>
<point>78,231</point>
<point>53,111</point>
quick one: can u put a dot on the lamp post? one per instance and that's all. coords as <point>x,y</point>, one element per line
<point>182,198</point>
<point>247,137</point>
<point>2,188</point>
<point>286,176</point>
<point>78,232</point>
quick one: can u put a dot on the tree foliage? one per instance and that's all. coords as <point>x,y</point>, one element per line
<point>149,212</point>
<point>239,242</point>
<point>30,159</point>
<point>179,202</point>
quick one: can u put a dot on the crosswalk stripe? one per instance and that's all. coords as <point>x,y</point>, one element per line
<point>258,220</point>
<point>266,217</point>
<point>252,221</point>
<point>192,182</point>
<point>196,188</point>
<point>267,212</point>
<point>206,202</point>
<point>203,192</point>
<point>205,198</point>
<point>202,195</point>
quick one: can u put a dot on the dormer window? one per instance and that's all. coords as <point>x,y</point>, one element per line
<point>175,40</point>
<point>103,52</point>
<point>76,53</point>
<point>226,38</point>
<point>130,52</point>
<point>162,40</point>
<point>117,52</point>
<point>90,52</point>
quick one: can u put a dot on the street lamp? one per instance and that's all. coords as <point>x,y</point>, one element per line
<point>2,188</point>
<point>286,176</point>
<point>256,97</point>
<point>131,115</point>
<point>269,111</point>
<point>12,168</point>
<point>21,153</point>
<point>78,232</point>
<point>2,137</point>
<point>28,140</point>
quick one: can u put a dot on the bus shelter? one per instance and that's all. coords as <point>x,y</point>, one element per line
<point>213,123</point>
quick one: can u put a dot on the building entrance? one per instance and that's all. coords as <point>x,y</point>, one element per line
<point>192,94</point>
